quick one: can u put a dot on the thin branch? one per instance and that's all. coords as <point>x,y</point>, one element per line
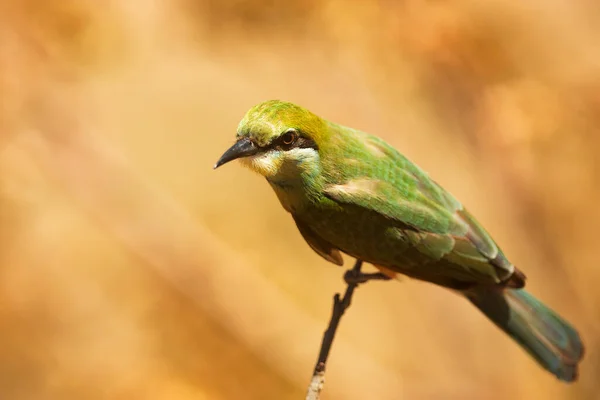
<point>353,278</point>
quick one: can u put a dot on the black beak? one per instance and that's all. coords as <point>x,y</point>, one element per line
<point>242,148</point>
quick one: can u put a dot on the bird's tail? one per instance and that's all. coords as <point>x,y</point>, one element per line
<point>551,340</point>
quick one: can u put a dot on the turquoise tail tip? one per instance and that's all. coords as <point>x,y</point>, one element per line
<point>547,337</point>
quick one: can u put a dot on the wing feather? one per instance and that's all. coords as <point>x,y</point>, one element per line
<point>441,227</point>
<point>318,244</point>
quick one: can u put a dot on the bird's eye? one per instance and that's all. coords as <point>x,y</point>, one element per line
<point>289,137</point>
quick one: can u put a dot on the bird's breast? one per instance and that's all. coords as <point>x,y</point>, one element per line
<point>360,233</point>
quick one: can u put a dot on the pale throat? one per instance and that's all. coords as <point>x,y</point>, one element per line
<point>292,173</point>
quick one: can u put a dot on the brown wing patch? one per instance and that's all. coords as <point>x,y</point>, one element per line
<point>516,280</point>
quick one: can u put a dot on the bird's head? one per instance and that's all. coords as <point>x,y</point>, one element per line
<point>279,140</point>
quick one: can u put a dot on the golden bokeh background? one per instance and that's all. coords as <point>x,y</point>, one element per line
<point>131,270</point>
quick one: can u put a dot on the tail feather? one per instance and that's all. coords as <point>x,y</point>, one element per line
<point>552,341</point>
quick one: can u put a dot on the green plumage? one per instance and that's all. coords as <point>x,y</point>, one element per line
<point>350,191</point>
<point>548,338</point>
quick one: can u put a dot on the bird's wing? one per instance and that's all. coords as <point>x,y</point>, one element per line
<point>320,246</point>
<point>437,224</point>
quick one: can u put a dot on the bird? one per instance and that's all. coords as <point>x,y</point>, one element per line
<point>351,192</point>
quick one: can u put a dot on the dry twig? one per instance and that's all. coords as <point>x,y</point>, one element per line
<point>353,278</point>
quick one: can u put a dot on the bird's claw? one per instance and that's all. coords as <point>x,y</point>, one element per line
<point>353,277</point>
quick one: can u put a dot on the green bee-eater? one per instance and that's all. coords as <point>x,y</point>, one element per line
<point>351,192</point>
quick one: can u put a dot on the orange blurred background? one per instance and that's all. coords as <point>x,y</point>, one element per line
<point>131,270</point>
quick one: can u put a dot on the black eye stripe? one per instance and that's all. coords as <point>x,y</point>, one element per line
<point>305,143</point>
<point>301,142</point>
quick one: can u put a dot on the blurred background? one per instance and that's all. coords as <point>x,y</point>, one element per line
<point>131,270</point>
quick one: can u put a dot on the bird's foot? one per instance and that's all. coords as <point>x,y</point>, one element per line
<point>353,277</point>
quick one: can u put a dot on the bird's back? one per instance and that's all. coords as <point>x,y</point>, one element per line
<point>378,206</point>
